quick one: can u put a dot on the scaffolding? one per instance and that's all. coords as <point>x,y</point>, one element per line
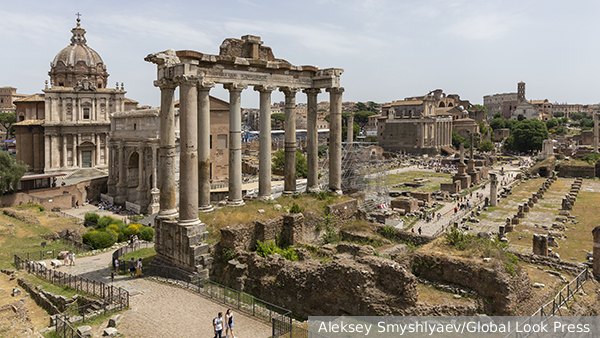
<point>364,169</point>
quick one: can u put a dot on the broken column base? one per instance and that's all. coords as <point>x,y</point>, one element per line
<point>181,248</point>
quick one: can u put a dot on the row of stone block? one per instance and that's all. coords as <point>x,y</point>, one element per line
<point>571,197</point>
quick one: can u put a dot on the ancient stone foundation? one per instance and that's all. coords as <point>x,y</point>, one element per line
<point>540,245</point>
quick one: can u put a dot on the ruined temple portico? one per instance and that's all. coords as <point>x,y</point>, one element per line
<point>241,63</point>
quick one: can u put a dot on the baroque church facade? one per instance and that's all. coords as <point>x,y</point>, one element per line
<point>67,128</point>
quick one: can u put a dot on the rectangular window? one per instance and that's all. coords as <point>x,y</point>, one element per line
<point>222,141</point>
<point>86,113</point>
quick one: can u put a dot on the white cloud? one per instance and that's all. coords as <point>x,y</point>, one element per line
<point>484,27</point>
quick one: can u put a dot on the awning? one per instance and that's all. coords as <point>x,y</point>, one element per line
<point>8,141</point>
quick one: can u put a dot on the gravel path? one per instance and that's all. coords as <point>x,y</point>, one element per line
<point>168,311</point>
<point>163,310</point>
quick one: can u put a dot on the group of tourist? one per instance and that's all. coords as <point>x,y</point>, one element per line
<point>219,322</point>
<point>69,258</point>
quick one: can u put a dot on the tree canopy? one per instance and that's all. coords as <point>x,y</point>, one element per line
<point>11,172</point>
<point>369,106</point>
<point>301,165</point>
<point>457,140</point>
<point>486,145</point>
<point>362,116</point>
<point>278,116</point>
<point>498,115</point>
<point>527,135</point>
<point>7,120</point>
<point>558,114</point>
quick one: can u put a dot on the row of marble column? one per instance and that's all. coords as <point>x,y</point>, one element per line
<point>443,134</point>
<point>118,161</point>
<point>57,156</point>
<point>194,191</point>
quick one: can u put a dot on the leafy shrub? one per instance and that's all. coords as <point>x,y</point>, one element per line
<point>146,234</point>
<point>41,208</point>
<point>389,232</point>
<point>296,209</point>
<point>133,229</point>
<point>100,239</point>
<point>330,236</point>
<point>104,221</point>
<point>265,249</point>
<point>591,158</point>
<point>91,217</point>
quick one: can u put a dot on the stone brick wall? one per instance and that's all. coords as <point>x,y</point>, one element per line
<point>354,286</point>
<point>407,237</point>
<point>453,188</point>
<point>579,170</point>
<point>343,211</point>
<point>503,291</point>
<point>421,196</point>
<point>179,245</point>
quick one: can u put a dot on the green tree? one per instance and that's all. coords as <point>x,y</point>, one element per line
<point>278,116</point>
<point>278,162</point>
<point>520,117</point>
<point>362,117</point>
<point>578,116</point>
<point>498,115</point>
<point>457,140</point>
<point>486,145</point>
<point>7,120</point>
<point>558,114</point>
<point>11,172</point>
<point>497,123</point>
<point>483,129</point>
<point>527,135</point>
<point>551,123</point>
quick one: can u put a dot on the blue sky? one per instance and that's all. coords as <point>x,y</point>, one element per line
<point>388,49</point>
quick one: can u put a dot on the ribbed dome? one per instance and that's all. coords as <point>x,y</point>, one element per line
<point>72,54</point>
<point>76,62</point>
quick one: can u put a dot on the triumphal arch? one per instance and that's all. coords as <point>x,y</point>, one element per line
<point>241,63</point>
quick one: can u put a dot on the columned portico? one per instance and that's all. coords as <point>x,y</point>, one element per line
<point>289,167</point>
<point>335,139</point>
<point>235,144</point>
<point>312,140</point>
<point>264,150</point>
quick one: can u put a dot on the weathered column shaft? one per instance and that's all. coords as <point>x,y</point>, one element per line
<point>264,146</point>
<point>97,150</point>
<point>493,190</point>
<point>47,152</point>
<point>112,191</point>
<point>188,154</point>
<point>235,144</point>
<point>204,147</point>
<point>122,184</point>
<point>168,200</point>
<point>350,129</point>
<point>335,139</point>
<point>289,167</point>
<point>154,166</point>
<point>312,136</point>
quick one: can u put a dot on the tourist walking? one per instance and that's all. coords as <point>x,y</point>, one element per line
<point>419,230</point>
<point>72,257</point>
<point>229,324</point>
<point>117,265</point>
<point>131,266</point>
<point>218,325</point>
<point>138,268</point>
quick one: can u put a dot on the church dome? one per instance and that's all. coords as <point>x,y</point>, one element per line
<point>76,62</point>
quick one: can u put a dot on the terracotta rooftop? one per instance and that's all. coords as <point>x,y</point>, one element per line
<point>29,123</point>
<point>31,98</point>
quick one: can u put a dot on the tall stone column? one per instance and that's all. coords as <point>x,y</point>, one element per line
<point>168,201</point>
<point>204,146</point>
<point>335,139</point>
<point>264,146</point>
<point>141,189</point>
<point>65,163</point>
<point>122,184</point>
<point>289,166</point>
<point>596,252</point>
<point>595,132</point>
<point>75,150</point>
<point>350,129</point>
<point>105,150</point>
<point>79,152</point>
<point>154,206</point>
<point>312,136</point>
<point>188,155</point>
<point>493,190</point>
<point>112,173</point>
<point>235,144</point>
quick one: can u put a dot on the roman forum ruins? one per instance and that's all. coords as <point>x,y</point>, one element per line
<point>241,63</point>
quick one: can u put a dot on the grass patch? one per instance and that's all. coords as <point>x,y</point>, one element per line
<point>579,235</point>
<point>146,254</point>
<point>49,287</point>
